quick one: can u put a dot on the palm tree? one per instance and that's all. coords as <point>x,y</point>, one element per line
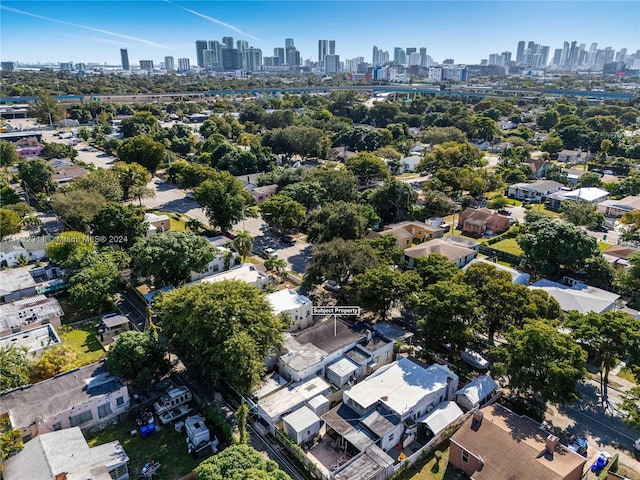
<point>243,243</point>
<point>194,225</point>
<point>22,260</point>
<point>278,265</point>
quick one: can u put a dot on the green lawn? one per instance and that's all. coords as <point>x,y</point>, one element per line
<point>167,447</point>
<point>429,470</point>
<point>509,245</point>
<point>84,343</point>
<point>627,374</point>
<point>603,246</point>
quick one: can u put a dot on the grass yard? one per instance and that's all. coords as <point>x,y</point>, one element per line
<point>508,245</point>
<point>627,374</point>
<point>603,246</point>
<point>431,471</point>
<point>84,342</point>
<point>167,447</point>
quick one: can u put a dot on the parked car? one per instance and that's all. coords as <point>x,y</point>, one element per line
<point>288,239</point>
<point>579,445</point>
<point>598,229</point>
<point>268,252</point>
<point>504,211</point>
<point>636,445</point>
<point>474,359</point>
<point>331,285</point>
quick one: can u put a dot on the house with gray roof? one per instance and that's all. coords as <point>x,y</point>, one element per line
<point>31,248</point>
<point>65,454</point>
<point>537,191</point>
<point>86,397</point>
<point>578,296</point>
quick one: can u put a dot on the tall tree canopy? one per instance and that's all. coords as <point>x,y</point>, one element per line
<point>339,260</point>
<point>224,200</point>
<point>118,224</point>
<point>69,244</point>
<point>37,175</point>
<point>239,462</point>
<point>540,360</point>
<point>138,357</point>
<point>171,257</point>
<point>15,367</point>
<point>340,219</point>
<point>225,327</point>
<point>144,151</point>
<point>380,289</point>
<point>282,212</point>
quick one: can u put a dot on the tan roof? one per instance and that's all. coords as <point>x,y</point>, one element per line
<point>437,245</point>
<point>631,201</point>
<point>399,232</point>
<point>513,447</point>
<point>620,251</point>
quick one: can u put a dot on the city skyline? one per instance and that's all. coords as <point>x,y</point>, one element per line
<point>95,31</point>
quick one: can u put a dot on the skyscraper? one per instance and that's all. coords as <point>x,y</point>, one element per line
<point>124,57</point>
<point>169,63</point>
<point>331,63</point>
<point>231,59</point>
<point>332,47</point>
<point>520,52</point>
<point>216,47</point>
<point>375,57</point>
<point>184,65</point>
<point>325,47</point>
<point>278,53</point>
<point>146,65</point>
<point>423,56</point>
<point>201,46</point>
<point>288,42</point>
<point>409,50</point>
<point>544,51</point>
<point>228,42</point>
<point>243,46</point>
<point>399,56</point>
<point>253,59</point>
<point>293,57</point>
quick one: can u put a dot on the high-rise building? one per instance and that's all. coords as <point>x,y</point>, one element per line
<point>228,42</point>
<point>520,52</point>
<point>410,50</point>
<point>375,57</point>
<point>332,47</point>
<point>184,65</point>
<point>169,63</point>
<point>293,57</point>
<point>423,56</point>
<point>66,66</point>
<point>124,58</point>
<point>253,58</point>
<point>81,67</point>
<point>592,53</point>
<point>288,42</point>
<point>507,57</point>
<point>216,47</point>
<point>231,59</point>
<point>325,47</point>
<point>8,66</point>
<point>146,65</point>
<point>278,53</point>
<point>544,51</point>
<point>331,63</point>
<point>201,46</point>
<point>557,56</point>
<point>399,56</point>
<point>414,59</point>
<point>209,59</point>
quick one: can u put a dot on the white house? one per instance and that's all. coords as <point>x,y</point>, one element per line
<point>246,272</point>
<point>85,398</point>
<point>477,392</point>
<point>296,306</point>
<point>536,191</point>
<point>31,248</point>
<point>65,454</point>
<point>589,194</point>
<point>225,258</point>
<point>157,223</point>
<point>578,296</point>
<point>410,163</point>
<point>302,425</point>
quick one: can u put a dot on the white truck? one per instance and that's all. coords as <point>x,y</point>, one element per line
<point>198,437</point>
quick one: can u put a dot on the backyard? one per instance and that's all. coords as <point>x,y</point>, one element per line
<point>433,469</point>
<point>84,343</point>
<point>166,447</point>
<point>509,245</point>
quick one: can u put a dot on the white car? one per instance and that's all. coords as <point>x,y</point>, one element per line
<point>474,359</point>
<point>636,445</point>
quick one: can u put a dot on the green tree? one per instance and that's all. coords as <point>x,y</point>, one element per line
<point>367,167</point>
<point>37,176</point>
<point>139,357</point>
<point>94,282</point>
<point>435,268</point>
<point>10,441</point>
<point>383,113</point>
<point>141,123</point>
<point>631,405</point>
<point>282,212</point>
<point>58,150</point>
<point>171,257</point>
<point>241,416</point>
<point>393,200</point>
<point>103,182</point>
<point>437,203</point>
<point>9,222</point>
<point>118,224</point>
<point>47,110</point>
<point>437,135</point>
<point>8,154</point>
<point>485,128</point>
<point>144,151</point>
<point>339,219</point>
<point>278,265</point>
<point>337,185</point>
<point>549,245</point>
<point>340,260</point>
<point>612,336</point>
<point>67,245</point>
<point>225,327</point>
<point>239,462</point>
<point>307,194</point>
<point>451,154</point>
<point>243,244</point>
<point>581,212</point>
<point>8,195</point>
<point>132,177</point>
<point>77,208</point>
<point>380,289</point>
<point>57,359</point>
<point>224,200</point>
<point>548,120</point>
<point>599,272</point>
<point>553,372</point>
<point>15,367</point>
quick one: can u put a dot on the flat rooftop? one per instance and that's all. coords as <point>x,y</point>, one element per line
<point>28,310</point>
<point>329,336</point>
<point>34,339</point>
<point>287,399</point>
<point>246,273</point>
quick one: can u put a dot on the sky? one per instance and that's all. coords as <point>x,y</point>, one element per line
<point>467,31</point>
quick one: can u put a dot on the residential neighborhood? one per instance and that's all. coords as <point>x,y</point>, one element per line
<point>333,284</point>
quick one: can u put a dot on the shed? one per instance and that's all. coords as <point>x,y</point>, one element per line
<point>476,393</point>
<point>302,425</point>
<point>442,416</point>
<point>319,405</point>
